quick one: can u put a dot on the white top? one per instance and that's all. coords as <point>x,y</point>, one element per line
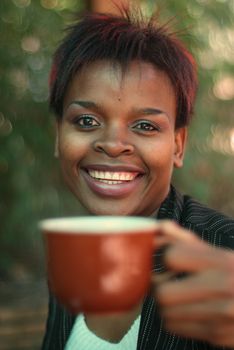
<point>83,339</point>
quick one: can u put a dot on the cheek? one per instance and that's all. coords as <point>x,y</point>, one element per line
<point>71,148</point>
<point>159,155</point>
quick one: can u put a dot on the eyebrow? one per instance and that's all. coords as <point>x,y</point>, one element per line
<point>85,104</point>
<point>151,111</point>
<point>144,111</point>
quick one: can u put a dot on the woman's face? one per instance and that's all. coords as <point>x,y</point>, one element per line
<point>117,142</point>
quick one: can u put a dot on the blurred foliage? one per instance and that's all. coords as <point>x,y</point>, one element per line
<point>30,183</point>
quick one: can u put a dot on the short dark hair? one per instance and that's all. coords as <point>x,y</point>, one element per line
<point>122,39</point>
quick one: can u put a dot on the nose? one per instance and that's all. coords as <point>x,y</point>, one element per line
<point>114,143</point>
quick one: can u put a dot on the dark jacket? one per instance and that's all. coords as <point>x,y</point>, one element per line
<point>211,226</point>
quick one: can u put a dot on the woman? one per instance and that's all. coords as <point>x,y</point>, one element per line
<point>123,92</point>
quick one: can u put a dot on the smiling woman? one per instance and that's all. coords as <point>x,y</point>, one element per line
<point>100,137</point>
<point>123,90</point>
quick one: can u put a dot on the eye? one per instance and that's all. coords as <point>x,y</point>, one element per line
<point>145,125</point>
<point>86,122</point>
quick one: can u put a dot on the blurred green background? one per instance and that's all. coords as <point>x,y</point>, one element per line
<point>30,183</point>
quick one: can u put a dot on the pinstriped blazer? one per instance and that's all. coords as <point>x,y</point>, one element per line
<point>211,226</point>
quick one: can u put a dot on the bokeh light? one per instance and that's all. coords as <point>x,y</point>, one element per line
<point>196,11</point>
<point>59,5</point>
<point>232,140</point>
<point>221,42</point>
<point>49,4</point>
<point>31,44</point>
<point>22,3</point>
<point>222,140</point>
<point>36,62</point>
<point>19,79</point>
<point>6,128</point>
<point>224,88</point>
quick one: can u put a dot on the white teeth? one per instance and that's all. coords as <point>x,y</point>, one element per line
<point>112,177</point>
<point>111,182</point>
<point>116,176</point>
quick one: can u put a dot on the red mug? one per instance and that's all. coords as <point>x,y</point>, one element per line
<point>99,264</point>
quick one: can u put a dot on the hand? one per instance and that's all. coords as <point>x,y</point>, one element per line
<point>201,304</point>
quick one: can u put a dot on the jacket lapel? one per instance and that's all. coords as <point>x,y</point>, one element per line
<point>151,333</point>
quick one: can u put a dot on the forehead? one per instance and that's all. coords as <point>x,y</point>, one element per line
<point>105,79</point>
<point>118,73</point>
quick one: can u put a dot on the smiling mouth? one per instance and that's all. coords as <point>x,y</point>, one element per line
<point>113,177</point>
<point>112,182</point>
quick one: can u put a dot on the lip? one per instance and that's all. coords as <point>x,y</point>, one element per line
<point>117,190</point>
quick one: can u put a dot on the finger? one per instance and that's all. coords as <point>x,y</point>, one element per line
<point>196,255</point>
<point>170,232</point>
<point>210,284</point>
<point>174,232</point>
<point>159,278</point>
<point>188,253</point>
<point>221,310</point>
<point>213,332</point>
<point>161,241</point>
<point>187,329</point>
<point>183,244</point>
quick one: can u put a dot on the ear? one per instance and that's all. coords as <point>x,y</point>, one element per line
<point>180,143</point>
<point>56,143</point>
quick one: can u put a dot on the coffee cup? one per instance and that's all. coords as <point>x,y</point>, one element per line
<point>99,264</point>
